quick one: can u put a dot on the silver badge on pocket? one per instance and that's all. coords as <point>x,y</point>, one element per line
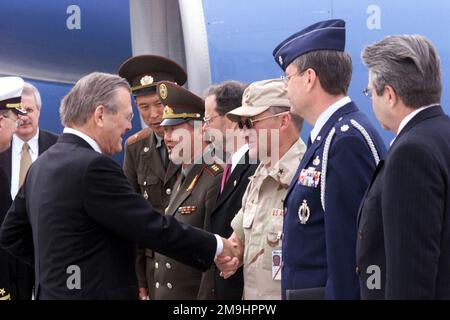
<point>303,212</point>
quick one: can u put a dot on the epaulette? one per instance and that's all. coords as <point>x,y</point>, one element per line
<point>214,169</point>
<point>144,133</point>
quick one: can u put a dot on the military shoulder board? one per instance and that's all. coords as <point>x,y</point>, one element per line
<point>214,169</point>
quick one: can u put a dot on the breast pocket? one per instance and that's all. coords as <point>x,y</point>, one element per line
<point>273,237</point>
<point>150,187</point>
<point>249,215</point>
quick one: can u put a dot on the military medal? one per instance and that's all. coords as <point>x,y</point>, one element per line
<point>303,212</point>
<point>316,161</point>
<point>309,177</point>
<point>187,210</point>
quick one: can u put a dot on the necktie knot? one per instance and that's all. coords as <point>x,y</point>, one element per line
<point>25,147</point>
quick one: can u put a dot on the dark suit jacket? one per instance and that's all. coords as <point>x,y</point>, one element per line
<point>228,204</point>
<point>403,244</point>
<point>45,140</point>
<point>6,260</point>
<point>17,277</point>
<point>90,218</point>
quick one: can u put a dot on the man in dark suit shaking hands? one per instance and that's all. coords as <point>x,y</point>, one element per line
<point>403,245</point>
<point>220,99</point>
<point>79,231</point>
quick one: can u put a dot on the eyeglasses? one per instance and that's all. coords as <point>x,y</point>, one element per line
<point>208,120</point>
<point>250,123</point>
<point>286,78</point>
<point>129,117</point>
<point>368,93</point>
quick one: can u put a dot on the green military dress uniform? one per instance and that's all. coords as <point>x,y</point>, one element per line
<point>147,175</point>
<point>192,202</point>
<point>146,165</point>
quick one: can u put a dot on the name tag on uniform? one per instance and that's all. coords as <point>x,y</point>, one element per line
<point>276,264</point>
<point>309,177</point>
<point>277,212</point>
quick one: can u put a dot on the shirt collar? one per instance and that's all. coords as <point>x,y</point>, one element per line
<point>158,141</point>
<point>237,156</point>
<point>284,169</point>
<point>33,143</point>
<point>85,137</point>
<point>323,118</point>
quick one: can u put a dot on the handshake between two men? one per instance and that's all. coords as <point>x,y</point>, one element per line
<point>231,257</point>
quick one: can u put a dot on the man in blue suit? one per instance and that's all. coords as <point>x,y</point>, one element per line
<point>403,247</point>
<point>321,205</point>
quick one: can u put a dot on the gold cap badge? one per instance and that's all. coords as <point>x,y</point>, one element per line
<point>163,92</point>
<point>146,80</point>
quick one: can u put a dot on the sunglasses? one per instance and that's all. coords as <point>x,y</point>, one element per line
<point>250,123</point>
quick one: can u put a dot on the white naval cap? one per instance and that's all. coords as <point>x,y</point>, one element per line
<point>10,94</point>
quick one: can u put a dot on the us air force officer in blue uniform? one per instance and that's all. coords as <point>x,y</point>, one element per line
<point>321,205</point>
<point>403,251</point>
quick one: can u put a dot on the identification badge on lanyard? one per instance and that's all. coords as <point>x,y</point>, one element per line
<point>276,264</point>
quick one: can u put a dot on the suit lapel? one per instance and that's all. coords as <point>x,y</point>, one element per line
<point>43,142</point>
<point>374,176</point>
<point>232,182</point>
<point>184,191</point>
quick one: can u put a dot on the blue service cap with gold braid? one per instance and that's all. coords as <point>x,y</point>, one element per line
<point>324,35</point>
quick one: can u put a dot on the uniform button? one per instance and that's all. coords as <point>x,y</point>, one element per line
<point>357,270</point>
<point>169,285</point>
<point>156,265</point>
<point>168,266</point>
<point>360,235</point>
<point>157,285</point>
<point>168,191</point>
<point>145,183</point>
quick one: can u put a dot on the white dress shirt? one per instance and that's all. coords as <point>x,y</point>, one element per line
<point>237,156</point>
<point>16,157</point>
<point>323,118</point>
